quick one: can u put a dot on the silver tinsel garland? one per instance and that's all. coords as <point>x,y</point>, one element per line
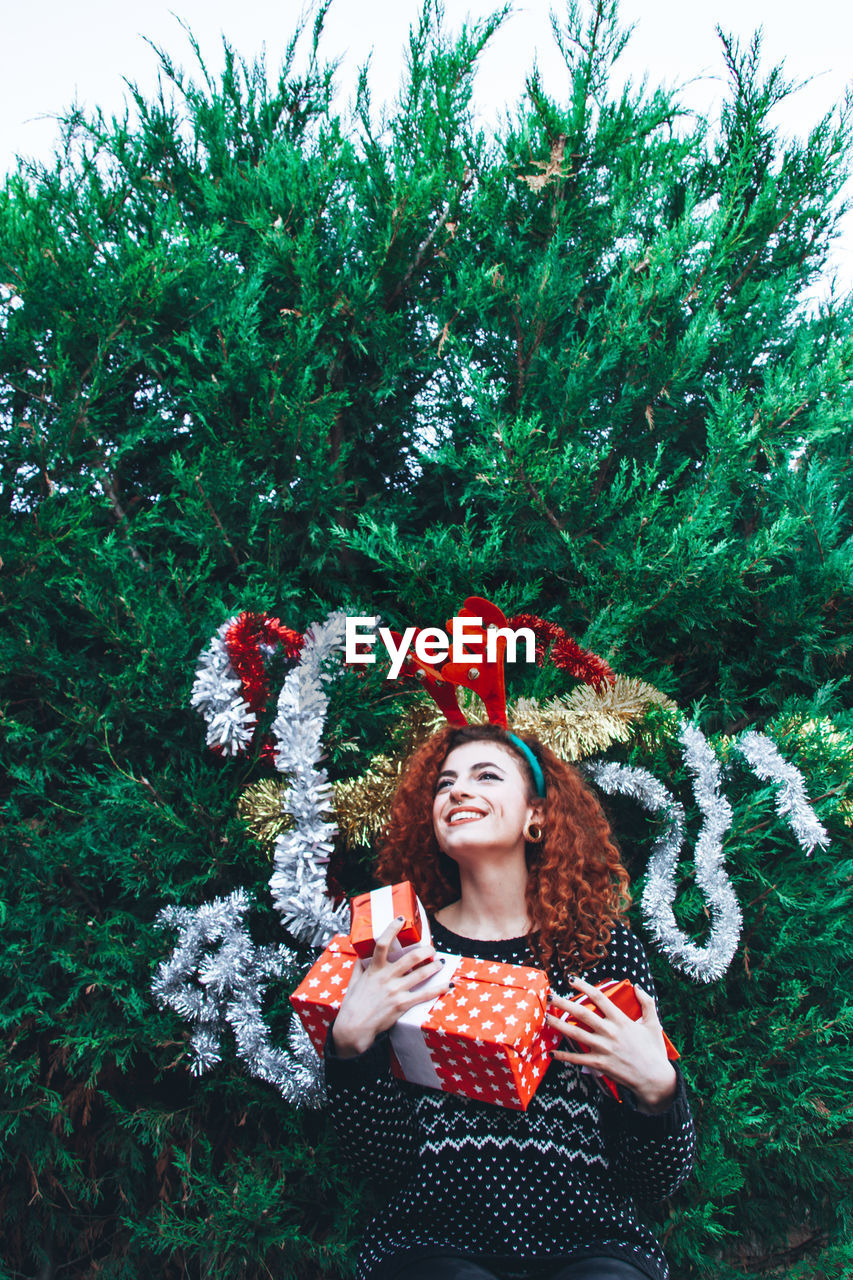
<point>661,888</point>
<point>298,882</point>
<point>711,961</point>
<point>792,805</point>
<point>226,987</point>
<point>216,977</point>
<point>217,694</point>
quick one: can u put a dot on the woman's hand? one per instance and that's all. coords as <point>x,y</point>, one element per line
<point>631,1053</point>
<point>378,995</point>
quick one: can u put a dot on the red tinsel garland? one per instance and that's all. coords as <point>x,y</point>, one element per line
<point>245,641</point>
<point>555,645</point>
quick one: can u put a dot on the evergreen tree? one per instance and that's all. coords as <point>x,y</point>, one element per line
<point>254,356</point>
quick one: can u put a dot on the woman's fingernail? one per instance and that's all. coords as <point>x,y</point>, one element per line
<point>398,919</point>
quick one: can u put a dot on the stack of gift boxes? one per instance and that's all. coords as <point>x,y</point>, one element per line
<point>485,1037</point>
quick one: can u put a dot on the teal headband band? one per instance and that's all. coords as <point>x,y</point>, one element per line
<point>535,766</point>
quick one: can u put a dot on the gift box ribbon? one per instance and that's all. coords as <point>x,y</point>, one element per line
<point>407,1034</point>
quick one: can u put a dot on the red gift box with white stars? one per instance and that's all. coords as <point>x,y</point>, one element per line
<point>485,1037</point>
<point>318,996</point>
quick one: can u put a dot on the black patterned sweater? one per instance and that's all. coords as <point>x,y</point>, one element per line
<point>519,1191</point>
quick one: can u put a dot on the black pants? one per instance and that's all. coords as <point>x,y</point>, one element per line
<point>449,1268</point>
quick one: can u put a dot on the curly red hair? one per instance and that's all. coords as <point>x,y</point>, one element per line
<point>577,887</point>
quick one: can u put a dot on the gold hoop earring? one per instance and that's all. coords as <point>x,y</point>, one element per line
<point>533,833</point>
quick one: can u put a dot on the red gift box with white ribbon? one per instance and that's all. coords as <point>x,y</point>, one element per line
<point>485,1037</point>
<point>373,912</point>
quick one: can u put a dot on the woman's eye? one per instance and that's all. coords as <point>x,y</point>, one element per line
<point>486,776</point>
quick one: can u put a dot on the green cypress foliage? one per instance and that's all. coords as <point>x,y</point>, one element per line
<point>256,356</point>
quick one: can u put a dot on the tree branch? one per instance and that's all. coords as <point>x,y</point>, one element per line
<point>538,500</point>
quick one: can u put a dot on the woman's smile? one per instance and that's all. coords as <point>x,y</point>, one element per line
<point>464,815</point>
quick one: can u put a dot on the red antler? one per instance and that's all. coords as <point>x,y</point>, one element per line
<point>481,676</point>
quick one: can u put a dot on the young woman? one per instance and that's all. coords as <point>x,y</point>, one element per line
<point>510,853</point>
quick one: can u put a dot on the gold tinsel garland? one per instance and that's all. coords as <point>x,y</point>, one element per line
<point>260,808</point>
<point>587,720</point>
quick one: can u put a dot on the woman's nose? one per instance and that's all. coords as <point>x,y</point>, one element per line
<point>459,790</point>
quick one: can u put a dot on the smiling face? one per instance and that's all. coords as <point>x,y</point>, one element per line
<point>482,801</point>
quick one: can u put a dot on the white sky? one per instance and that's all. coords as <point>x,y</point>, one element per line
<point>57,52</point>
